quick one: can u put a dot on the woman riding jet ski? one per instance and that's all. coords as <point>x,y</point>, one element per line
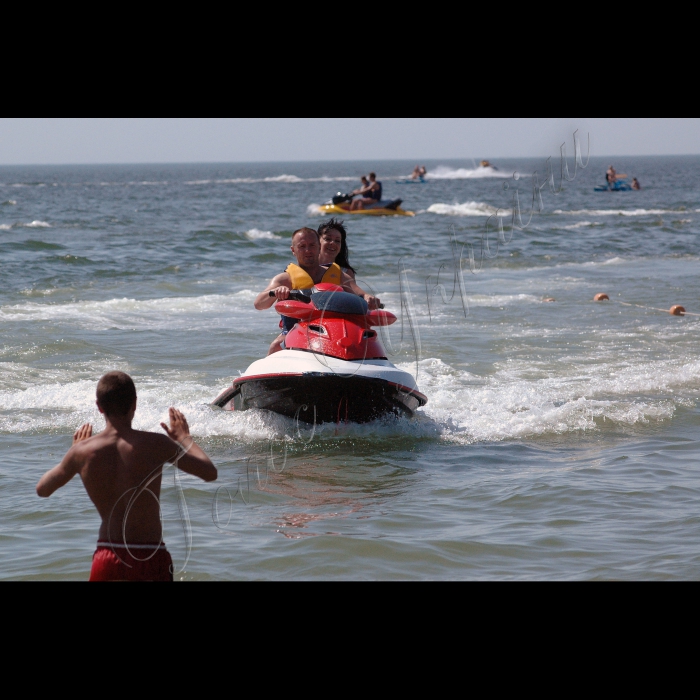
<point>333,368</point>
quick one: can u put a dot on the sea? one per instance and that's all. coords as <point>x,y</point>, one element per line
<point>561,438</point>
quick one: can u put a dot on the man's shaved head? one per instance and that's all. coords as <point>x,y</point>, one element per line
<point>306,246</point>
<point>304,230</point>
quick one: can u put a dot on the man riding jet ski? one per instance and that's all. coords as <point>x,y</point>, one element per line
<point>308,271</point>
<point>329,365</point>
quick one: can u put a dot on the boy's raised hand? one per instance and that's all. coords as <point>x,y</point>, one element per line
<point>82,433</point>
<point>179,428</point>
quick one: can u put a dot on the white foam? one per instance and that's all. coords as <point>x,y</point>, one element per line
<point>488,300</point>
<point>31,224</point>
<point>313,210</point>
<point>522,399</point>
<point>207,311</point>
<point>617,212</point>
<point>283,178</point>
<point>255,234</point>
<point>10,201</point>
<point>512,405</point>
<point>445,173</point>
<point>580,224</point>
<point>467,209</point>
<point>289,179</point>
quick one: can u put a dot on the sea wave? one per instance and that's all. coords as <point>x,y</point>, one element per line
<point>255,234</point>
<point>443,172</point>
<point>617,212</point>
<point>207,311</point>
<point>580,224</point>
<point>462,408</point>
<point>284,178</point>
<point>466,209</point>
<point>511,406</point>
<point>30,224</point>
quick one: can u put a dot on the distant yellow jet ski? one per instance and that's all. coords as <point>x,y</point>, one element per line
<point>340,204</point>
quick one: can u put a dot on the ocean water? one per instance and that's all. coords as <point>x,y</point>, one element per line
<point>560,439</point>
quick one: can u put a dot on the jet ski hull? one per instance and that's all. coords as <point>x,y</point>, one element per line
<point>370,211</point>
<point>324,399</point>
<point>319,389</point>
<point>619,185</point>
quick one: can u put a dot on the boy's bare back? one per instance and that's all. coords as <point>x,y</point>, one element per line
<point>121,469</point>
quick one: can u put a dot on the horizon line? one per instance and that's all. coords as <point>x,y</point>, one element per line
<point>333,160</point>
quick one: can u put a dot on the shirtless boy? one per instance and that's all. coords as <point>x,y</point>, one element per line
<point>304,275</point>
<point>121,469</point>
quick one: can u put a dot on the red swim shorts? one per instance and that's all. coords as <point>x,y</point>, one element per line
<point>140,562</point>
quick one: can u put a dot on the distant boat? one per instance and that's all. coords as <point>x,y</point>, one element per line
<point>411,181</point>
<point>340,204</point>
<point>620,185</point>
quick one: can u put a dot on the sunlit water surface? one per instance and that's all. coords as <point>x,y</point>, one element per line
<point>560,438</point>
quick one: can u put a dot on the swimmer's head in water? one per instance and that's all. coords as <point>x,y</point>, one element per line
<point>116,394</point>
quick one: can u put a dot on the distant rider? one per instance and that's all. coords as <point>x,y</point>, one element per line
<point>372,194</point>
<point>363,188</point>
<point>610,177</point>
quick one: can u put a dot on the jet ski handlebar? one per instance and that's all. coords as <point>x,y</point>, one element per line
<point>296,295</point>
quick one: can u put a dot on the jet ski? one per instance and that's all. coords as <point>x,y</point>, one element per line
<point>620,185</point>
<point>340,204</point>
<point>333,368</point>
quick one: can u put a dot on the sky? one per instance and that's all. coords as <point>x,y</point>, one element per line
<point>47,141</point>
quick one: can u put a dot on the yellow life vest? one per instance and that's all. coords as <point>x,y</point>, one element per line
<point>302,280</point>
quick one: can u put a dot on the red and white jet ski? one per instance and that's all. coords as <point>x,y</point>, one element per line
<point>334,367</point>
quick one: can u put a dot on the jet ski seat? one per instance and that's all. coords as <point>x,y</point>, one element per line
<point>386,204</point>
<point>340,302</point>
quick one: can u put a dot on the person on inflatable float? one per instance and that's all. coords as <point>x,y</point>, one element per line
<point>303,276</point>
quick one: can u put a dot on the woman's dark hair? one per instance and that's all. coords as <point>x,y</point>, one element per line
<point>342,257</point>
